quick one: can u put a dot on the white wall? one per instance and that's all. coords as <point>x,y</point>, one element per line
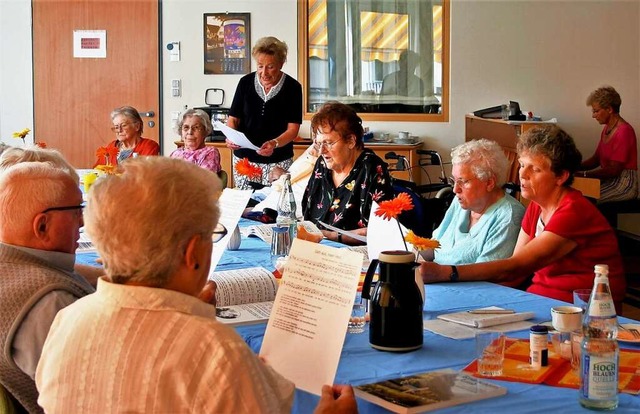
<point>183,21</point>
<point>548,55</point>
<point>16,83</point>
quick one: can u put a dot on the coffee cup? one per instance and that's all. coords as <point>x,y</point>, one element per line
<point>403,135</point>
<point>566,318</point>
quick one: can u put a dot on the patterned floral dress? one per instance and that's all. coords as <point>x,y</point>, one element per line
<point>347,206</point>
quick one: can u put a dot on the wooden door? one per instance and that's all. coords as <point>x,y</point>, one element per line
<point>73,97</point>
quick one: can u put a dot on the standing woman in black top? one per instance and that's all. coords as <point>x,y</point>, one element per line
<point>267,108</point>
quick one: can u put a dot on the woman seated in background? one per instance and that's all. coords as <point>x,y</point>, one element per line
<point>563,234</point>
<point>194,126</point>
<point>615,161</point>
<point>483,222</point>
<point>346,178</point>
<point>128,126</point>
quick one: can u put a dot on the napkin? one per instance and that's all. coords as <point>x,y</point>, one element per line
<point>475,320</point>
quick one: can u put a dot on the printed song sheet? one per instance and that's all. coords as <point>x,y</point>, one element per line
<point>232,203</point>
<point>309,319</point>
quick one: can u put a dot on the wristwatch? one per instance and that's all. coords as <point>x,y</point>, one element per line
<point>454,276</point>
<point>275,141</point>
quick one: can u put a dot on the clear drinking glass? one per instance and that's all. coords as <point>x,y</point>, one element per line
<point>357,319</point>
<point>490,353</point>
<point>280,245</point>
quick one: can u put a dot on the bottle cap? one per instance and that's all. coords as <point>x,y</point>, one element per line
<point>602,269</point>
<point>539,329</point>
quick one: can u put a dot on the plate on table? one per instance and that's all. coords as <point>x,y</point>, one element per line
<point>625,336</point>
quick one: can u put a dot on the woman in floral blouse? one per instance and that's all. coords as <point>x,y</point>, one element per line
<point>347,178</point>
<point>194,126</point>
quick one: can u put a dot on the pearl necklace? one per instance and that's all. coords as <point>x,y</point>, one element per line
<point>610,130</point>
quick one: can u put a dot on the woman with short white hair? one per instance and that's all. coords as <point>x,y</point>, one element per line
<point>483,222</point>
<point>145,338</point>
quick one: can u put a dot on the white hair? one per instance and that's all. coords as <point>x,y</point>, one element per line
<point>15,155</point>
<point>485,158</point>
<point>27,189</point>
<point>142,218</point>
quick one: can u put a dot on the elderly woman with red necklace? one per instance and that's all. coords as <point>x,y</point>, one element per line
<point>128,127</point>
<point>615,161</point>
<point>563,235</point>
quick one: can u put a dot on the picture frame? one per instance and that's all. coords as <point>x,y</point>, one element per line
<point>227,43</point>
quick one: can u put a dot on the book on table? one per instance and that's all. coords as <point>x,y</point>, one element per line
<point>244,296</point>
<point>428,391</point>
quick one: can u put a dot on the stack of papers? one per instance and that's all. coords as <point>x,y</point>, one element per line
<point>485,320</point>
<point>464,325</point>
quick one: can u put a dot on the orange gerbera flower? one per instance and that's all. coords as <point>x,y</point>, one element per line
<point>41,144</point>
<point>244,167</point>
<point>101,152</point>
<point>107,169</point>
<point>421,243</point>
<point>112,151</point>
<point>392,208</point>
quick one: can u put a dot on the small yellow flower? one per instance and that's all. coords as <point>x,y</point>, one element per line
<point>22,134</point>
<point>89,179</point>
<point>421,243</point>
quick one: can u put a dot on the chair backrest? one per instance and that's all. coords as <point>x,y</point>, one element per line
<point>426,215</point>
<point>224,177</point>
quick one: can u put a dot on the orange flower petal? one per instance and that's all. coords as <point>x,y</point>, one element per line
<point>244,167</point>
<point>101,152</point>
<point>392,208</point>
<point>112,151</point>
<point>421,243</point>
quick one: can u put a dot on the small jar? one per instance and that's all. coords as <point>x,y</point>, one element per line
<point>538,346</point>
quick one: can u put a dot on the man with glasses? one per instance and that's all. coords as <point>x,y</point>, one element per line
<point>40,217</point>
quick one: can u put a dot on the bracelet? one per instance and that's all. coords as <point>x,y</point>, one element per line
<point>275,141</point>
<point>339,237</point>
<point>584,174</point>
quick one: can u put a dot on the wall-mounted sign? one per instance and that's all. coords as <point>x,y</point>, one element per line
<point>89,43</point>
<point>227,43</point>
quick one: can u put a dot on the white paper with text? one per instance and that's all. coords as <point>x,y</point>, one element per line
<point>234,136</point>
<point>309,319</point>
<point>232,203</point>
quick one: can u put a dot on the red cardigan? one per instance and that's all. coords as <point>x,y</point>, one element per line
<point>144,146</point>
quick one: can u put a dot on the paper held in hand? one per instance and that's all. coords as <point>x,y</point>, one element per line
<point>309,319</point>
<point>234,136</point>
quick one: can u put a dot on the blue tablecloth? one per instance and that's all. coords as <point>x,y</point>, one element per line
<point>360,364</point>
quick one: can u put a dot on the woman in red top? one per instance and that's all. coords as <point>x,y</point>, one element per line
<point>615,161</point>
<point>128,126</point>
<point>563,235</point>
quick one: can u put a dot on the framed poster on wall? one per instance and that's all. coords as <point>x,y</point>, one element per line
<point>227,43</point>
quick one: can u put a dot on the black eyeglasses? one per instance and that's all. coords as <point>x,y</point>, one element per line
<point>218,233</point>
<point>65,208</point>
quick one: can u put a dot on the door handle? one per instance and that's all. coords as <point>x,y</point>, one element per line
<point>149,114</point>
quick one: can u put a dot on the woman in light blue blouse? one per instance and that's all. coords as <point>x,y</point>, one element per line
<point>482,223</point>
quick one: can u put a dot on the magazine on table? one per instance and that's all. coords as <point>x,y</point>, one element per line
<point>428,391</point>
<point>244,296</point>
<point>263,231</point>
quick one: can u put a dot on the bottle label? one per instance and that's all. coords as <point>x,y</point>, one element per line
<point>602,308</point>
<point>599,378</point>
